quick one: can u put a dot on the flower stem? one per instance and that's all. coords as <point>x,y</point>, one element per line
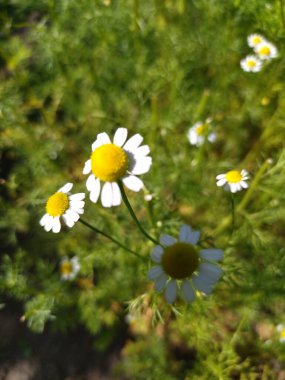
<point>110,238</point>
<point>133,215</point>
<point>233,212</point>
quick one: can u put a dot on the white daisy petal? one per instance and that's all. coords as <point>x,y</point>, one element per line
<point>133,183</point>
<point>155,272</point>
<point>160,282</point>
<point>120,136</point>
<point>156,254</point>
<point>66,188</point>
<point>107,195</point>
<point>91,183</point>
<point>68,220</point>
<point>116,198</point>
<point>103,138</point>
<point>244,184</point>
<point>194,237</point>
<point>56,225</point>
<point>212,272</point>
<point>188,292</point>
<point>87,167</point>
<point>76,204</point>
<point>96,144</point>
<point>212,254</point>
<point>167,240</point>
<point>142,151</point>
<point>142,166</point>
<point>49,224</point>
<point>44,219</point>
<point>220,176</point>
<point>171,291</point>
<point>221,182</point>
<point>201,283</point>
<point>133,143</point>
<point>184,233</point>
<point>80,211</point>
<point>77,197</point>
<point>95,192</point>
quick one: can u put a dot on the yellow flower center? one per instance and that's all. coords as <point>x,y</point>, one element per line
<point>251,64</point>
<point>233,176</point>
<point>202,129</point>
<point>109,162</point>
<point>57,204</point>
<point>282,334</point>
<point>66,268</point>
<point>264,50</point>
<point>256,40</point>
<point>180,260</point>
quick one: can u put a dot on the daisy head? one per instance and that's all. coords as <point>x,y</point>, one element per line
<point>254,40</point>
<point>69,268</point>
<point>251,63</point>
<point>65,205</point>
<point>200,132</point>
<point>266,50</point>
<point>281,332</point>
<point>110,162</point>
<point>234,180</point>
<point>182,266</point>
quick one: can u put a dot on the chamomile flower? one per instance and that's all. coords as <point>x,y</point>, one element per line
<point>69,268</point>
<point>281,332</point>
<point>266,50</point>
<point>251,63</point>
<point>254,40</point>
<point>234,180</point>
<point>201,132</point>
<point>182,266</point>
<point>65,205</point>
<point>121,159</point>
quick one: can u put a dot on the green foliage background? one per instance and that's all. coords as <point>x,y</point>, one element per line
<point>71,69</point>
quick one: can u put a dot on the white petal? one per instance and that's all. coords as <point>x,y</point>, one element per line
<point>133,183</point>
<point>49,224</point>
<point>96,144</point>
<point>157,253</point>
<point>87,167</point>
<point>211,271</point>
<point>56,225</point>
<point>212,254</point>
<point>116,198</point>
<point>142,166</point>
<point>233,187</point>
<point>77,197</point>
<point>171,291</point>
<point>155,272</point>
<point>95,192</point>
<point>188,292</point>
<point>202,284</point>
<point>133,143</point>
<point>77,204</point>
<point>91,183</point>
<point>221,182</point>
<point>107,195</point>
<point>68,220</point>
<point>184,233</point>
<point>244,184</point>
<point>44,219</point>
<point>71,215</point>
<point>142,151</point>
<point>120,136</point>
<point>103,138</point>
<point>167,240</point>
<point>160,282</point>
<point>66,188</point>
<point>220,176</point>
<point>79,211</point>
<point>193,237</point>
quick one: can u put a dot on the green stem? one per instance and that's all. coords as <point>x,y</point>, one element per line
<point>282,13</point>
<point>133,215</point>
<point>110,238</point>
<point>233,212</point>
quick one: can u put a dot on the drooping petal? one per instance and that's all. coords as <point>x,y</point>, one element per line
<point>142,165</point>
<point>56,225</point>
<point>142,151</point>
<point>71,215</point>
<point>188,292</point>
<point>167,240</point>
<point>107,195</point>
<point>184,233</point>
<point>133,183</point>
<point>221,182</point>
<point>91,183</point>
<point>95,192</point>
<point>193,237</point>
<point>66,188</point>
<point>87,167</point>
<point>132,144</point>
<point>49,224</point>
<point>211,271</point>
<point>155,272</point>
<point>160,282</point>
<point>44,219</point>
<point>68,220</point>
<point>116,198</point>
<point>220,176</point>
<point>77,197</point>
<point>201,283</point>
<point>120,136</point>
<point>76,204</point>
<point>212,254</point>
<point>157,253</point>
<point>171,291</point>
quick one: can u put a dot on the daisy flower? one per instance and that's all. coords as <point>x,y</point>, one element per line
<point>281,331</point>
<point>62,204</point>
<point>233,180</point>
<point>69,268</point>
<point>266,50</point>
<point>181,265</point>
<point>251,63</point>
<point>254,40</point>
<point>200,132</point>
<point>121,159</point>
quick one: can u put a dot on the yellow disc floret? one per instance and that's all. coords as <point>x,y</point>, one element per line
<point>256,40</point>
<point>233,176</point>
<point>57,204</point>
<point>109,162</point>
<point>66,268</point>
<point>251,64</point>
<point>265,50</point>
<point>180,260</point>
<point>202,129</point>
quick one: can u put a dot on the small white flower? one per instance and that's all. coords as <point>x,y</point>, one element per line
<point>266,50</point>
<point>69,268</point>
<point>281,330</point>
<point>181,265</point>
<point>251,63</point>
<point>148,197</point>
<point>200,132</point>
<point>233,180</point>
<point>254,40</point>
<point>63,205</point>
<point>121,159</point>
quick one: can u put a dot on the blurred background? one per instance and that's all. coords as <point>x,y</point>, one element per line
<point>71,69</point>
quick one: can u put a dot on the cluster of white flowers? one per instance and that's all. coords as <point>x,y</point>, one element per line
<point>264,52</point>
